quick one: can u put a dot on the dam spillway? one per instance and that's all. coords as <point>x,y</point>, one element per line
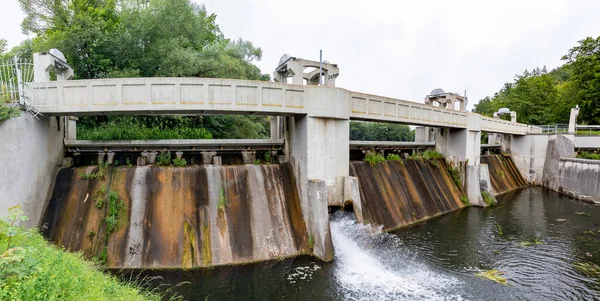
<point>504,174</point>
<point>180,217</point>
<point>395,194</point>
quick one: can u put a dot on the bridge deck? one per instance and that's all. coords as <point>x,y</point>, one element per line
<point>227,96</point>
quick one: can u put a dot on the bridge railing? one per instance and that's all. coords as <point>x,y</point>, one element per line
<point>373,107</point>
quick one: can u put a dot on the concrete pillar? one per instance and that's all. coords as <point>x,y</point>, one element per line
<point>573,120</point>
<point>318,151</point>
<point>110,157</point>
<point>217,160</point>
<point>207,157</point>
<point>101,157</point>
<point>249,157</point>
<point>152,157</point>
<point>71,128</point>
<point>179,155</point>
<point>276,127</point>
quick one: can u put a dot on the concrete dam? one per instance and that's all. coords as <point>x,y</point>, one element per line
<point>224,211</point>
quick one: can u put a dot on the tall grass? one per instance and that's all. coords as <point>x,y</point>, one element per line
<point>33,269</point>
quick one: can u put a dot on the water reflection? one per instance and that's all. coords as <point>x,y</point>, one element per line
<point>433,260</point>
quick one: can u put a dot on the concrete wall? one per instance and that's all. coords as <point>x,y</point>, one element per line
<point>529,154</point>
<point>31,151</point>
<point>579,178</point>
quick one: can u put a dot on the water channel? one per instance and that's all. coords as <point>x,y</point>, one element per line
<point>435,260</point>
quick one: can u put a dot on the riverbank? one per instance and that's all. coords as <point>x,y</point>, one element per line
<point>33,269</point>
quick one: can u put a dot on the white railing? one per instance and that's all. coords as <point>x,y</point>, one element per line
<point>554,128</point>
<point>15,73</point>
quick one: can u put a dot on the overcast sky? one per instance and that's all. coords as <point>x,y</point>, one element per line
<point>401,49</point>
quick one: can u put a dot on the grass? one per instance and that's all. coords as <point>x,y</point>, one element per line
<point>114,131</point>
<point>488,199</point>
<point>587,133</point>
<point>311,242</point>
<point>116,207</point>
<point>34,269</point>
<point>374,158</point>
<point>430,156</point>
<point>590,156</point>
<point>500,173</point>
<point>7,112</point>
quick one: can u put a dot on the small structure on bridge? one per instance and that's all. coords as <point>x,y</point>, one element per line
<point>446,99</point>
<point>294,67</point>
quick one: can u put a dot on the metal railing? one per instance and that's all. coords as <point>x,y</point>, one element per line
<point>554,128</point>
<point>14,74</point>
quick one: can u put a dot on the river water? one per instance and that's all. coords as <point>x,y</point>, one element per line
<point>436,260</point>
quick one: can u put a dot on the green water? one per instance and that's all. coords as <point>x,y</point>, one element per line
<point>436,260</point>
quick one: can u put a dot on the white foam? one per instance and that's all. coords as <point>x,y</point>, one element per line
<point>365,271</point>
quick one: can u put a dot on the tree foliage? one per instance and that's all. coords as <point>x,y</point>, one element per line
<point>132,38</point>
<point>583,61</point>
<point>373,131</point>
<point>541,97</point>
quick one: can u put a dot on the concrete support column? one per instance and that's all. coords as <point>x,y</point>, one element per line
<point>277,127</point>
<point>71,128</point>
<point>318,151</point>
<point>573,120</point>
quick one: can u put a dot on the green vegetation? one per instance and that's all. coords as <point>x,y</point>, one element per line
<point>430,156</point>
<point>116,207</point>
<point>535,242</point>
<point>125,131</point>
<point>393,157</point>
<point>164,158</point>
<point>311,242</point>
<point>268,158</point>
<point>222,200</point>
<point>493,275</point>
<point>374,158</point>
<point>588,269</point>
<point>590,156</point>
<point>375,131</point>
<point>499,173</point>
<point>488,199</point>
<point>101,194</point>
<point>98,174</point>
<point>500,230</point>
<point>455,175</point>
<point>257,161</point>
<point>465,200</point>
<point>128,162</point>
<point>542,97</point>
<point>33,269</point>
<point>179,162</point>
<point>587,133</point>
<point>8,112</point>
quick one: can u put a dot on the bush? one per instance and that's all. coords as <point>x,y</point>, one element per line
<point>118,131</point>
<point>179,162</point>
<point>374,158</point>
<point>7,112</point>
<point>164,158</point>
<point>488,199</point>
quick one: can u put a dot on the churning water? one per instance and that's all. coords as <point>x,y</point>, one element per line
<point>436,260</point>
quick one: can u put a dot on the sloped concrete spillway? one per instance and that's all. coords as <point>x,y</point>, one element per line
<point>399,193</point>
<point>504,174</point>
<point>177,217</point>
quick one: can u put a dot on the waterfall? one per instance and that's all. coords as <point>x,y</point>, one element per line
<point>371,265</point>
<point>135,238</point>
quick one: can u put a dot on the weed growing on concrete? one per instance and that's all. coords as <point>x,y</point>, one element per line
<point>128,162</point>
<point>430,156</point>
<point>500,173</point>
<point>393,157</point>
<point>179,162</point>
<point>164,158</point>
<point>222,200</point>
<point>500,230</point>
<point>98,174</point>
<point>7,112</point>
<point>465,200</point>
<point>116,163</point>
<point>374,158</point>
<point>311,242</point>
<point>257,161</point>
<point>116,207</point>
<point>488,199</point>
<point>268,158</point>
<point>455,175</point>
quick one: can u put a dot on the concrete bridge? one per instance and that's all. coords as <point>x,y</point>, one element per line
<point>311,129</point>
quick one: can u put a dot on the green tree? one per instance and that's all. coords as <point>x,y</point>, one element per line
<point>583,62</point>
<point>373,131</point>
